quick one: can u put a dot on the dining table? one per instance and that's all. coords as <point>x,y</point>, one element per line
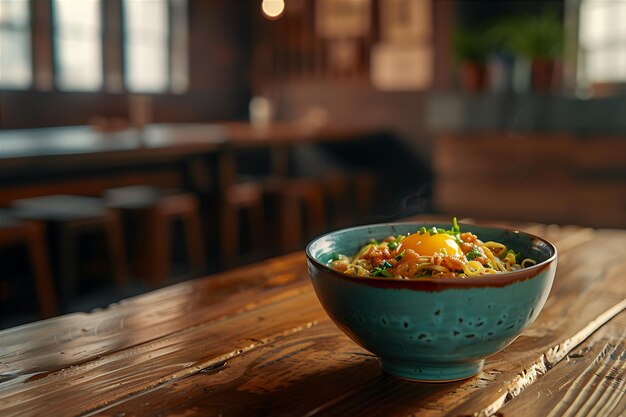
<point>255,341</point>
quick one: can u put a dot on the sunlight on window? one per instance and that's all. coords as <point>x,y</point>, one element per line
<point>78,43</point>
<point>15,49</point>
<point>602,39</point>
<point>146,45</point>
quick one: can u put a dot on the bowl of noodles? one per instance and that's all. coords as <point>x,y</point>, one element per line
<point>431,301</point>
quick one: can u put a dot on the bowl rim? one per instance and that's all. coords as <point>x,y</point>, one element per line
<point>492,280</point>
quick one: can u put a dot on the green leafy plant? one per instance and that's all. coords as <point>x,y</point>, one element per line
<point>534,37</point>
<point>470,45</point>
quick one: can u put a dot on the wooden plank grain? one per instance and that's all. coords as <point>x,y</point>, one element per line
<point>51,345</point>
<point>285,308</point>
<point>349,383</point>
<point>590,381</point>
<point>81,388</point>
<point>312,373</point>
<point>305,374</point>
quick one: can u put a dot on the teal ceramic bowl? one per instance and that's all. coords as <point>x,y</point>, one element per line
<point>432,329</point>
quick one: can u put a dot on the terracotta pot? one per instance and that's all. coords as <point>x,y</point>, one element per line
<point>473,76</point>
<point>542,73</point>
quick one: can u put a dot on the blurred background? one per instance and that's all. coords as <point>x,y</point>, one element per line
<point>146,142</point>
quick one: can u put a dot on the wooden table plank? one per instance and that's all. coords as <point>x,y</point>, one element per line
<point>54,344</point>
<point>357,379</point>
<point>591,377</point>
<point>267,317</point>
<point>318,367</point>
<point>279,376</point>
<point>135,370</point>
<point>82,337</point>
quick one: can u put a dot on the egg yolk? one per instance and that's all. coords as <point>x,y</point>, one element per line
<point>427,245</point>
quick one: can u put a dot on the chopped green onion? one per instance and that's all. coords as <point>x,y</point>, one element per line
<point>444,251</point>
<point>335,256</point>
<point>400,255</point>
<point>455,227</point>
<point>474,253</point>
<point>382,270</point>
<point>376,272</point>
<point>422,230</point>
<point>433,230</point>
<point>392,245</point>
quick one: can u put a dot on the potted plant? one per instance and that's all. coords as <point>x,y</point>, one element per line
<point>539,39</point>
<point>470,49</point>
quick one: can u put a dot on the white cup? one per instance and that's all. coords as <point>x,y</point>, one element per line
<point>261,112</point>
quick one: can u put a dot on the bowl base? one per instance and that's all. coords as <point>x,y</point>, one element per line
<point>432,372</point>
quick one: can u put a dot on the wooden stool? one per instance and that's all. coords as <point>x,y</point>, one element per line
<point>296,194</point>
<point>68,217</point>
<point>32,234</point>
<point>157,208</point>
<point>236,198</point>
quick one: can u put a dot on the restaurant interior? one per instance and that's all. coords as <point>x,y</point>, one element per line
<point>148,142</point>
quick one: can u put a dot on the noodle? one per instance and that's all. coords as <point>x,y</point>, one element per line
<point>434,253</point>
<point>473,268</point>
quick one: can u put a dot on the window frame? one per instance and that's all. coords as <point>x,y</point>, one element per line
<point>43,51</point>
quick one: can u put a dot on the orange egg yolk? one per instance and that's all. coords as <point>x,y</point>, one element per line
<point>427,245</point>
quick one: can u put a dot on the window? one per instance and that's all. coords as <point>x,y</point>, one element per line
<point>15,58</point>
<point>146,50</point>
<point>95,44</point>
<point>78,44</point>
<point>602,41</point>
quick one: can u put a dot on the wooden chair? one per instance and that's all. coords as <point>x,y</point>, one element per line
<point>157,208</point>
<point>301,209</point>
<point>67,218</point>
<point>32,234</point>
<point>350,196</point>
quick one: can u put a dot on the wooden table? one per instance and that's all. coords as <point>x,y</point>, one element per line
<point>80,160</point>
<point>80,146</point>
<point>255,342</point>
